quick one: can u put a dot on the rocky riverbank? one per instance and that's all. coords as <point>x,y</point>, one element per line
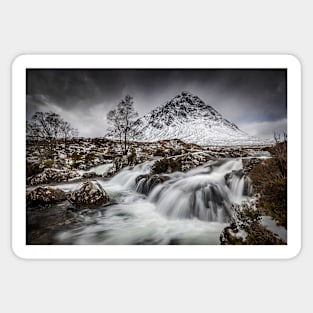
<point>48,208</point>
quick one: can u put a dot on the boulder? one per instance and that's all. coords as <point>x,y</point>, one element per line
<point>145,183</point>
<point>88,195</point>
<point>50,175</point>
<point>45,195</point>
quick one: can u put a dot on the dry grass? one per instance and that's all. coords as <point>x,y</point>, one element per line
<point>269,179</point>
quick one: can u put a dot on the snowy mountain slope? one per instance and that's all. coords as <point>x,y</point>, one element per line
<point>188,118</point>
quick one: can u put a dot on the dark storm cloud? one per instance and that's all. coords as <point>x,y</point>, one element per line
<point>249,98</point>
<point>69,87</point>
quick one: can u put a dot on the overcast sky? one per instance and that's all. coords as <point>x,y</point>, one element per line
<point>255,100</point>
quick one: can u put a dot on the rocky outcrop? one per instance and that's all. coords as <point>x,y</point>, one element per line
<point>191,160</point>
<point>50,175</point>
<point>45,196</point>
<point>89,194</point>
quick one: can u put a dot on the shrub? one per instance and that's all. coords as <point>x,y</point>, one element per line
<point>246,218</point>
<point>269,179</point>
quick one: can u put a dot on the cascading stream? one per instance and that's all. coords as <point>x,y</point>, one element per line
<point>202,193</point>
<point>176,208</point>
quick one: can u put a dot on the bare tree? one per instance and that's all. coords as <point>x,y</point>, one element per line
<point>67,132</point>
<point>276,137</point>
<point>116,124</point>
<point>123,119</point>
<point>279,151</point>
<point>47,128</point>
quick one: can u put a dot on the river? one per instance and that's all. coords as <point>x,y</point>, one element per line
<point>190,208</point>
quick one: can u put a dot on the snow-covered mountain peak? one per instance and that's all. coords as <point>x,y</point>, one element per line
<point>183,108</point>
<point>189,118</point>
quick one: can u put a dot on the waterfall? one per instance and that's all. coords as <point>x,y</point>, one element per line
<point>127,177</point>
<point>177,208</point>
<point>204,192</point>
<point>236,187</point>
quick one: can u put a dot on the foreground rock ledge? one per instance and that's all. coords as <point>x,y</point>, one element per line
<point>88,195</point>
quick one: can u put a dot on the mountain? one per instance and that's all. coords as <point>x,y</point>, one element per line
<point>190,119</point>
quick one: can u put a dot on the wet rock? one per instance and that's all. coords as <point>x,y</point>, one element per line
<point>90,175</point>
<point>247,187</point>
<point>140,177</point>
<point>229,176</point>
<point>88,195</point>
<point>145,183</point>
<point>44,196</point>
<point>228,237</point>
<point>50,175</point>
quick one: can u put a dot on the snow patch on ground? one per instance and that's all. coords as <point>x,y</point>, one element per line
<point>270,224</point>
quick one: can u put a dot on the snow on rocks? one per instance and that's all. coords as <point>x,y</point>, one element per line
<point>45,195</point>
<point>90,193</point>
<point>51,175</point>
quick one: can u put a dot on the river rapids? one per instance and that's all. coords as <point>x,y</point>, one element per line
<point>190,208</point>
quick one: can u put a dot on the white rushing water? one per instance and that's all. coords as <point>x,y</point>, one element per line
<point>181,208</point>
